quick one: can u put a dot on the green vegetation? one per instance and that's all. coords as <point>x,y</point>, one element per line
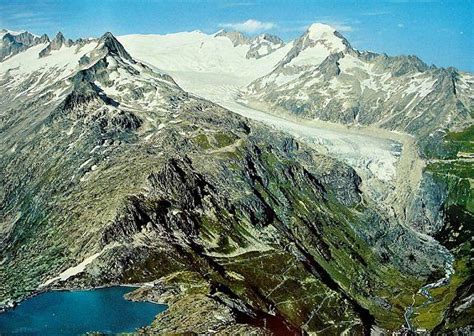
<point>453,169</point>
<point>202,141</point>
<point>430,314</point>
<point>457,175</point>
<point>224,139</point>
<point>452,146</point>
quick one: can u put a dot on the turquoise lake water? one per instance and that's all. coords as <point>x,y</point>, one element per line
<point>78,312</point>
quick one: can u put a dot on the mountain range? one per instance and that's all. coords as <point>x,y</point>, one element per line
<point>255,186</point>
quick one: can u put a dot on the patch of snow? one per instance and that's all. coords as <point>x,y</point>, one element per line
<point>421,86</point>
<point>85,163</point>
<point>241,250</point>
<point>70,130</point>
<point>263,50</point>
<point>318,31</point>
<point>349,62</point>
<point>94,149</point>
<point>65,60</point>
<point>72,271</point>
<point>311,56</point>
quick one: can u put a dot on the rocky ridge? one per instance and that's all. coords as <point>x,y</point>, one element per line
<point>322,77</point>
<point>13,43</point>
<point>259,46</point>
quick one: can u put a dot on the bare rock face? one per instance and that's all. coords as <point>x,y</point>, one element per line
<point>14,43</point>
<point>263,45</point>
<point>56,44</point>
<point>110,45</point>
<point>237,38</point>
<point>259,46</point>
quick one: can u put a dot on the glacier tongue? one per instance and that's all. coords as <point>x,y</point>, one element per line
<point>213,68</point>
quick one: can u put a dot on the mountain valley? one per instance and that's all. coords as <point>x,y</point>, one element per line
<point>252,185</point>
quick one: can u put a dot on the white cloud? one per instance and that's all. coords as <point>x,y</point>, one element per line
<point>249,26</point>
<point>341,27</point>
<point>400,25</point>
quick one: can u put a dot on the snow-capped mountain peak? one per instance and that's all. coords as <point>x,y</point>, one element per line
<point>323,77</point>
<point>258,46</point>
<point>59,37</point>
<point>314,46</point>
<point>12,42</point>
<point>318,30</point>
<point>349,85</point>
<point>328,36</point>
<point>60,40</point>
<point>263,45</point>
<point>236,37</point>
<point>57,43</point>
<point>109,43</point>
<point>4,31</point>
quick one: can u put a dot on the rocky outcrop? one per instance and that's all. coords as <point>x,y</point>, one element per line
<point>237,38</point>
<point>56,44</point>
<point>263,45</point>
<point>259,46</point>
<point>109,45</point>
<point>14,43</point>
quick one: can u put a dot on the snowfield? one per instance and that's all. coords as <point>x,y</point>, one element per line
<point>72,271</point>
<point>196,52</point>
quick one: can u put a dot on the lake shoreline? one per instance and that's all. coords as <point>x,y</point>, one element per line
<point>76,310</point>
<point>12,304</point>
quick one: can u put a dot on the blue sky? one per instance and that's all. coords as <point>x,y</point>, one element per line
<point>440,32</point>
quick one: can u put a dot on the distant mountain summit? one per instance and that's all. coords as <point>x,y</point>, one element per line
<point>13,43</point>
<point>315,45</point>
<point>109,44</point>
<point>260,46</point>
<point>56,44</point>
<point>316,76</point>
<point>323,77</point>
